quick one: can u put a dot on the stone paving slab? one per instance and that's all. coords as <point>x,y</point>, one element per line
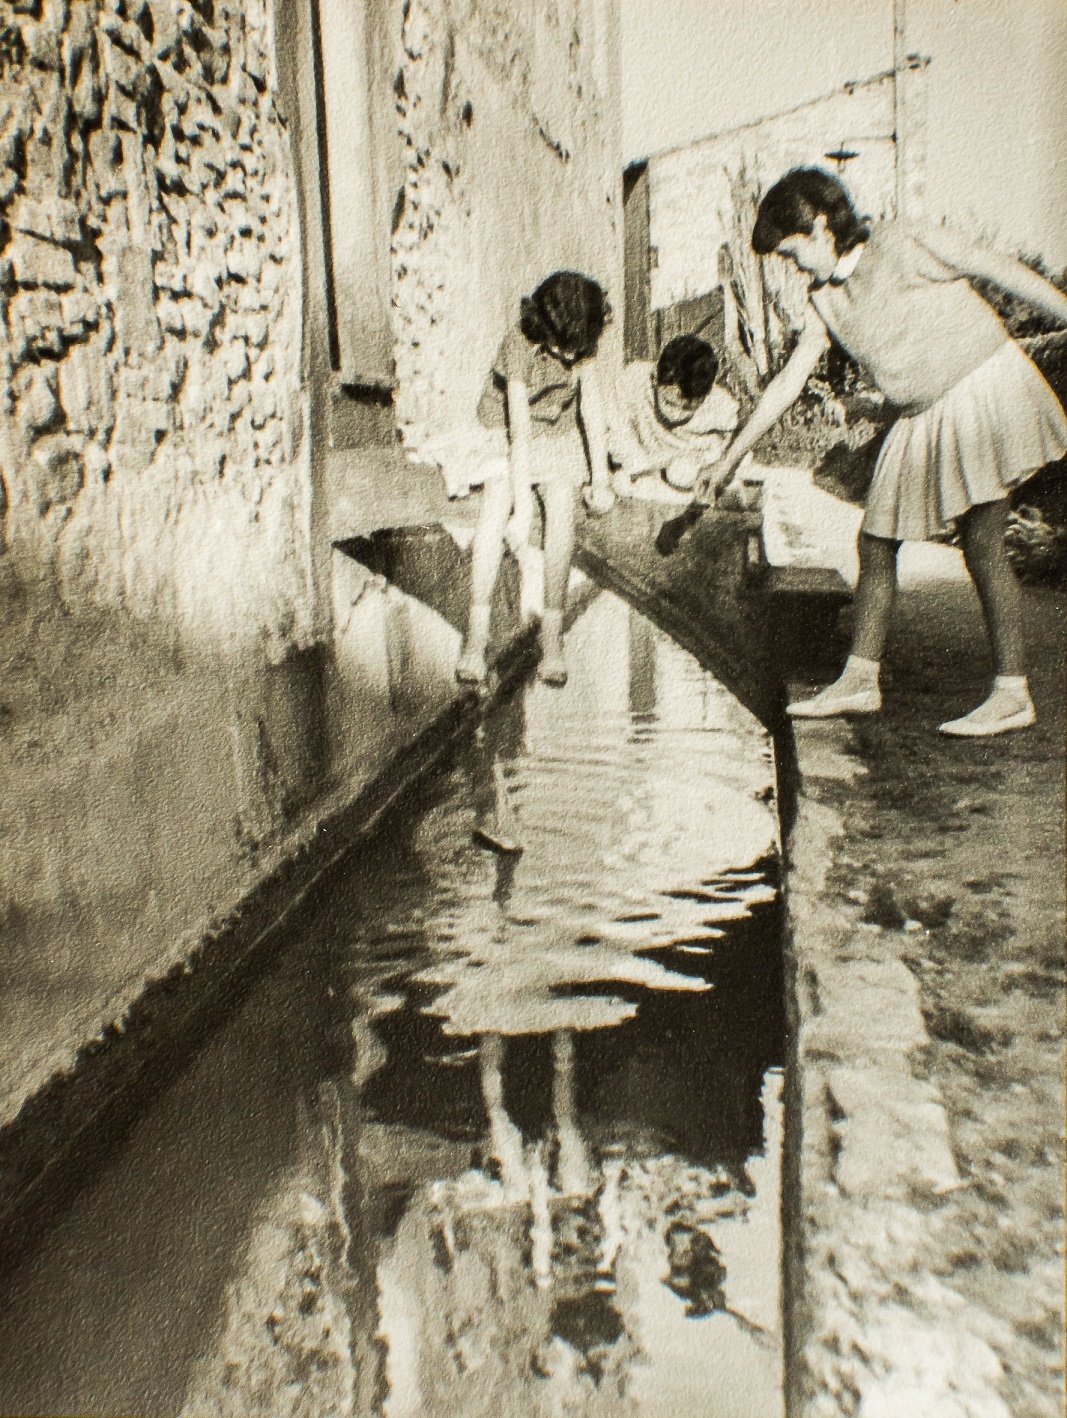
<point>925,889</point>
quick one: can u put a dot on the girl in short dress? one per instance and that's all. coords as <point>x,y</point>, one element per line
<point>542,411</point>
<point>976,416</point>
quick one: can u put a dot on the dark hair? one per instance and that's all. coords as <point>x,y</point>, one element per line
<point>567,310</point>
<point>690,363</point>
<point>793,203</point>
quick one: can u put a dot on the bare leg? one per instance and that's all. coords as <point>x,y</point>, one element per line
<point>521,524</point>
<point>505,1139</point>
<point>486,553</point>
<point>874,595</point>
<point>1009,705</point>
<point>559,501</point>
<point>983,531</point>
<point>575,1172</point>
<point>856,690</point>
<point>530,559</point>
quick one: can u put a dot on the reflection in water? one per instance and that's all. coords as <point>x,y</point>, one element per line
<point>500,1134</point>
<point>546,1180</point>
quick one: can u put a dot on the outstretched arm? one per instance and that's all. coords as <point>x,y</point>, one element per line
<point>782,392</point>
<point>1008,272</point>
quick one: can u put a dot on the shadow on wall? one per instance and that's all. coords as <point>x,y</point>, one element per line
<point>144,793</point>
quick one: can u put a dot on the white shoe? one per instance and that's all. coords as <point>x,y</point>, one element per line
<point>835,699</point>
<point>1003,711</point>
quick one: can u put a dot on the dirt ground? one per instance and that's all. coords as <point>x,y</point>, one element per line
<point>960,845</point>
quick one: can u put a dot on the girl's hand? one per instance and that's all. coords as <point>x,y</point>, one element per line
<point>715,478</point>
<point>598,497</point>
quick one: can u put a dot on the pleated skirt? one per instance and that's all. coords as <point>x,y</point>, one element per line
<point>991,431</point>
<point>473,457</point>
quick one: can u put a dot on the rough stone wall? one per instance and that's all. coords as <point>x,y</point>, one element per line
<point>150,422</point>
<point>513,170</point>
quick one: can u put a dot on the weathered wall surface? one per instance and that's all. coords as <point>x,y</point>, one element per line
<point>150,429</point>
<point>513,171</point>
<point>691,201</point>
<point>160,727</point>
<point>179,704</point>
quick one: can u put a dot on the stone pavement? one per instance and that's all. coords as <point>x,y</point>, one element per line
<point>925,899</point>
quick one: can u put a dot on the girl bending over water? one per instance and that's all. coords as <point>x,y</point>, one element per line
<point>976,416</point>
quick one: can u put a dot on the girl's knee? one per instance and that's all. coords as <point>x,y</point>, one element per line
<point>987,520</point>
<point>497,499</point>
<point>877,553</point>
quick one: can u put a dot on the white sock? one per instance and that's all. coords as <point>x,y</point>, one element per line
<point>860,671</point>
<point>1011,684</point>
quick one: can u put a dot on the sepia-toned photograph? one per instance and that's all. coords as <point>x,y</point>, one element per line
<point>533,665</point>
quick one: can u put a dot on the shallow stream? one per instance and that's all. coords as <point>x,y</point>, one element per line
<point>497,1133</point>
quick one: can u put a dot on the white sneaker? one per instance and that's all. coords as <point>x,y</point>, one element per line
<point>1003,711</point>
<point>837,699</point>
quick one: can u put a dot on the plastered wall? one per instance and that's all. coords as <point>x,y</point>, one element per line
<point>513,170</point>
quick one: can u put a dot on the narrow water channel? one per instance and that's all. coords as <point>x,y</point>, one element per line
<point>497,1134</point>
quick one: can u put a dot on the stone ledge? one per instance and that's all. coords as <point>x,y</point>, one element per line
<point>874,1332</point>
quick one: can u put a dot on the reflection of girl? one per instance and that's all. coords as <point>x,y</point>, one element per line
<point>466,1330</point>
<point>976,416</point>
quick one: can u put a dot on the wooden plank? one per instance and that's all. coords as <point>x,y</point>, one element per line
<point>823,581</point>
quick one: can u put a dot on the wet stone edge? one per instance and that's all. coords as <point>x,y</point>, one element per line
<point>869,1327</point>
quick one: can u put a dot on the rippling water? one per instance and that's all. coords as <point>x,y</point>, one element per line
<point>501,1133</point>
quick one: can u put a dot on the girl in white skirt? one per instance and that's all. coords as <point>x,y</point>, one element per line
<point>976,416</point>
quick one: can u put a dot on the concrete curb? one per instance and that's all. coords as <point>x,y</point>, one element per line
<point>873,1331</point>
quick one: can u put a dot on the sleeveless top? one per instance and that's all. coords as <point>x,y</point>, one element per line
<point>551,388</point>
<point>913,323</point>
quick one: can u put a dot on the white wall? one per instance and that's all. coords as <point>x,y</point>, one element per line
<point>997,155</point>
<point>996,90</point>
<point>690,206</point>
<point>691,68</point>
